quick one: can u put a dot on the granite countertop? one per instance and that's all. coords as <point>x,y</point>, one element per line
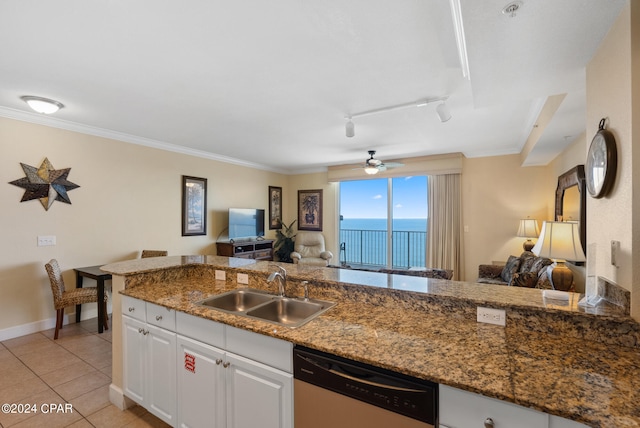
<point>390,325</point>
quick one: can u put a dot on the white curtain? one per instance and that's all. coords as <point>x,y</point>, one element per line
<point>444,227</point>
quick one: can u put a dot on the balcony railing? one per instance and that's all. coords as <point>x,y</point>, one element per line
<point>369,248</point>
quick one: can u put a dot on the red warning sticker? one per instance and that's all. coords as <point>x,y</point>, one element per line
<point>190,362</point>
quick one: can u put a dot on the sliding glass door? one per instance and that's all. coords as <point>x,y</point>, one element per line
<point>383,222</point>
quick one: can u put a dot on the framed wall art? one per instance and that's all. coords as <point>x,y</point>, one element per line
<point>275,207</point>
<point>310,210</point>
<point>194,206</point>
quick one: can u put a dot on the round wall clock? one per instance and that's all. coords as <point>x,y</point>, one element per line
<point>601,162</point>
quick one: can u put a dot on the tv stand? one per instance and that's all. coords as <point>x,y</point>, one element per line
<point>256,249</point>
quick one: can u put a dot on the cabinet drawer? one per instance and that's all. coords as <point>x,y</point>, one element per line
<point>262,254</point>
<point>134,308</point>
<point>460,408</point>
<point>201,329</point>
<point>161,316</point>
<point>268,350</point>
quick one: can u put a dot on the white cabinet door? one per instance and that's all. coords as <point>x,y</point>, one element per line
<point>161,373</point>
<point>133,347</point>
<point>257,395</point>
<point>463,409</point>
<point>558,422</point>
<point>201,385</point>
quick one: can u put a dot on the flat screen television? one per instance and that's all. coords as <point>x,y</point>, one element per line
<point>246,223</point>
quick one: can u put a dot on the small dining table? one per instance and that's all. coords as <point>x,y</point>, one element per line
<point>100,276</point>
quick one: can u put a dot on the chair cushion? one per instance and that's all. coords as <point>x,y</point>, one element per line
<point>513,263</point>
<point>312,261</point>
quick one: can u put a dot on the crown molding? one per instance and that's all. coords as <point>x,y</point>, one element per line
<point>53,122</point>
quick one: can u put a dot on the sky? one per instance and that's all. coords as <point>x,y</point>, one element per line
<point>368,198</point>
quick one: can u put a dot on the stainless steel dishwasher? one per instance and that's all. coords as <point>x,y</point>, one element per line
<point>334,392</point>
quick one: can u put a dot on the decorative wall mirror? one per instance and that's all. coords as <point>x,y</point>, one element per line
<point>571,200</point>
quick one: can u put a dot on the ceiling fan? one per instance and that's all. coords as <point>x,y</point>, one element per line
<point>373,166</point>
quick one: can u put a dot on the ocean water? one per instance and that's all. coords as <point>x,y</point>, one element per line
<point>400,224</point>
<point>365,242</point>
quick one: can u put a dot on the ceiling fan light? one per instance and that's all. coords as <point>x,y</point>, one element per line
<point>350,129</point>
<point>371,170</point>
<point>443,112</point>
<point>42,105</point>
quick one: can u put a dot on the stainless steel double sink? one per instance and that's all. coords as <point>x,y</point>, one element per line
<point>285,311</point>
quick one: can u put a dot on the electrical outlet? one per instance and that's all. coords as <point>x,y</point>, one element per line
<point>492,316</point>
<point>243,278</point>
<point>46,241</point>
<point>221,275</point>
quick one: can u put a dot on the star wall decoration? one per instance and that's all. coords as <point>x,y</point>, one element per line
<point>45,183</point>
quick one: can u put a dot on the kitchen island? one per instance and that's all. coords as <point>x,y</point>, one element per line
<point>552,356</point>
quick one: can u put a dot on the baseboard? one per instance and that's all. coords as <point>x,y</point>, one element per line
<point>30,328</point>
<point>118,399</point>
<point>46,324</point>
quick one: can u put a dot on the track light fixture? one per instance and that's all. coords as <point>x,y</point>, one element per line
<point>42,105</point>
<point>442,110</point>
<point>350,130</point>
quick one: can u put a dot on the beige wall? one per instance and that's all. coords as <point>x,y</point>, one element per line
<point>129,199</point>
<point>613,81</point>
<point>330,226</point>
<point>496,193</point>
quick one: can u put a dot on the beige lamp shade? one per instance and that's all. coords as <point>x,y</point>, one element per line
<point>528,229</point>
<point>560,241</point>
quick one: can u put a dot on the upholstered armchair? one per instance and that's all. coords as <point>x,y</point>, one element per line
<point>309,250</point>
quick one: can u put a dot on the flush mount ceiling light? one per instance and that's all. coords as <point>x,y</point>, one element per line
<point>442,110</point>
<point>42,105</point>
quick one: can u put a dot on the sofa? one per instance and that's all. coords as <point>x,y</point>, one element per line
<point>526,270</point>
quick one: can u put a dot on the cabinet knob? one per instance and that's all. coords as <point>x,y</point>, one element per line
<point>131,309</point>
<point>488,423</point>
<point>226,364</point>
<point>158,317</point>
<point>218,361</point>
<point>145,332</point>
<point>140,330</point>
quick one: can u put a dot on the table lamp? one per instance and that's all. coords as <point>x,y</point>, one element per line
<point>560,241</point>
<point>528,229</point>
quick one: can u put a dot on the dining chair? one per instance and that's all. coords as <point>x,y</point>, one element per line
<point>63,298</point>
<point>153,253</point>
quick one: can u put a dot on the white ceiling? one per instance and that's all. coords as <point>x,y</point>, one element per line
<point>268,83</point>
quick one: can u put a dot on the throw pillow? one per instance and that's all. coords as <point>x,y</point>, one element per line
<point>524,279</point>
<point>539,263</point>
<point>543,280</point>
<point>527,261</point>
<point>513,263</point>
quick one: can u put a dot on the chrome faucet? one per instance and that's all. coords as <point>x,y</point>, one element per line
<point>281,275</point>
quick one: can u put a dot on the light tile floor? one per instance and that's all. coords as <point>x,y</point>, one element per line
<point>74,370</point>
